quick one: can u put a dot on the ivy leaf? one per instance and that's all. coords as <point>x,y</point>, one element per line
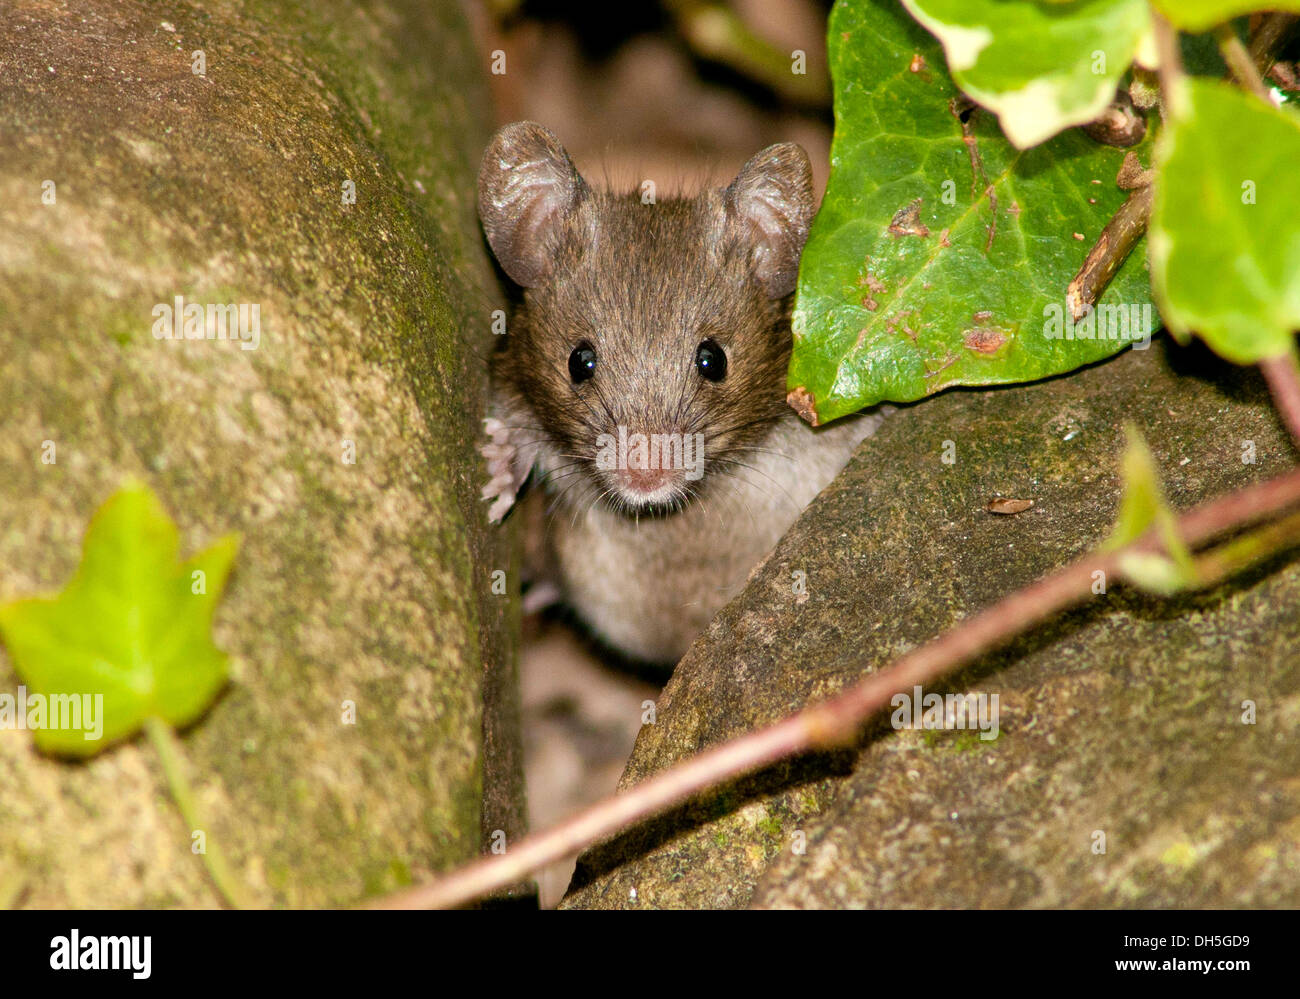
<point>1225,247</point>
<point>1201,15</point>
<point>1143,505</point>
<point>1041,67</point>
<point>129,626</point>
<point>941,254</point>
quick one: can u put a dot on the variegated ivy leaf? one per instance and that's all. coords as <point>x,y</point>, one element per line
<point>1041,67</point>
<point>1225,226</point>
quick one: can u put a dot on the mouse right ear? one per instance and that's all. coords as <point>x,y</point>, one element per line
<point>772,201</point>
<point>526,186</point>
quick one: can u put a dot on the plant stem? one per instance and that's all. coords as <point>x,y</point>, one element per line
<point>1130,223</point>
<point>1283,377</point>
<point>1171,65</point>
<point>1242,552</point>
<point>1239,61</point>
<point>172,757</point>
<point>1271,31</point>
<point>715,32</point>
<point>837,720</point>
<point>1110,251</point>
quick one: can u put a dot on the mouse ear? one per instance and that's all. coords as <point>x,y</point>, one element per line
<point>771,199</point>
<point>526,185</point>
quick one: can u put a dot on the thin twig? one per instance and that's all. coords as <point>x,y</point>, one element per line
<point>1266,41</point>
<point>1129,224</point>
<point>1249,549</point>
<point>1171,65</point>
<point>715,31</point>
<point>1240,64</point>
<point>1110,251</point>
<point>1283,377</point>
<point>837,720</point>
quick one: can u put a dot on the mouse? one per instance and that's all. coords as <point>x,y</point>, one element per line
<point>641,380</point>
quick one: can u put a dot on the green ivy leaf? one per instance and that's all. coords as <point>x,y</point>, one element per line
<point>1143,505</point>
<point>1225,244</point>
<point>1201,15</point>
<point>129,626</point>
<point>901,293</point>
<point>1041,67</point>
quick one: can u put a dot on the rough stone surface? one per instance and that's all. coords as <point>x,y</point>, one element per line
<point>355,581</point>
<point>1121,717</point>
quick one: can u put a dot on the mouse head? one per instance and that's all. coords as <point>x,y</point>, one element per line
<point>653,339</point>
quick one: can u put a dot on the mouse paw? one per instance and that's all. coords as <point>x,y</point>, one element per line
<point>504,481</point>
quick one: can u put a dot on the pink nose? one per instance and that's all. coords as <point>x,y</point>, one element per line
<point>646,481</point>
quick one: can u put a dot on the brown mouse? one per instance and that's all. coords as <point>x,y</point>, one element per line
<point>642,379</point>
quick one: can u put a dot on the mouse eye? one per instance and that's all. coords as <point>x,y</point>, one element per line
<point>711,360</point>
<point>582,362</point>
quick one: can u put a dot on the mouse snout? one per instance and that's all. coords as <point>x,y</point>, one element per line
<point>649,484</point>
<point>650,468</point>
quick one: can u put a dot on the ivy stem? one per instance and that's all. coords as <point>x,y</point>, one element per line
<point>1239,61</point>
<point>1171,65</point>
<point>1108,254</point>
<point>1283,377</point>
<point>1130,223</point>
<point>1247,550</point>
<point>837,721</point>
<point>173,761</point>
<point>714,31</point>
<point>1271,31</point>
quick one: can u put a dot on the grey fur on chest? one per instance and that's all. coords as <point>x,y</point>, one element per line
<point>649,585</point>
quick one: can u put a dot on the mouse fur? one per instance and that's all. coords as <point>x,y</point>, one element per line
<point>642,297</point>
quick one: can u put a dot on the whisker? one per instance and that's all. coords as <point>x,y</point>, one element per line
<point>752,468</point>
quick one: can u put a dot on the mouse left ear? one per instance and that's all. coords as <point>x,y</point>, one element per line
<point>527,186</point>
<point>771,199</point>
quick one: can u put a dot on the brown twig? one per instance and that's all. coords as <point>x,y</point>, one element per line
<point>1120,125</point>
<point>1266,40</point>
<point>1110,251</point>
<point>1240,64</point>
<point>963,111</point>
<point>1129,224</point>
<point>837,720</point>
<point>1283,377</point>
<point>715,31</point>
<point>1171,64</point>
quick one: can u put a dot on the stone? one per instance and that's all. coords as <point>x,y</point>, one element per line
<point>1121,721</point>
<point>321,167</point>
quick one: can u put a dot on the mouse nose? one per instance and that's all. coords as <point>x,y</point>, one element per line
<point>649,467</point>
<point>645,483</point>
